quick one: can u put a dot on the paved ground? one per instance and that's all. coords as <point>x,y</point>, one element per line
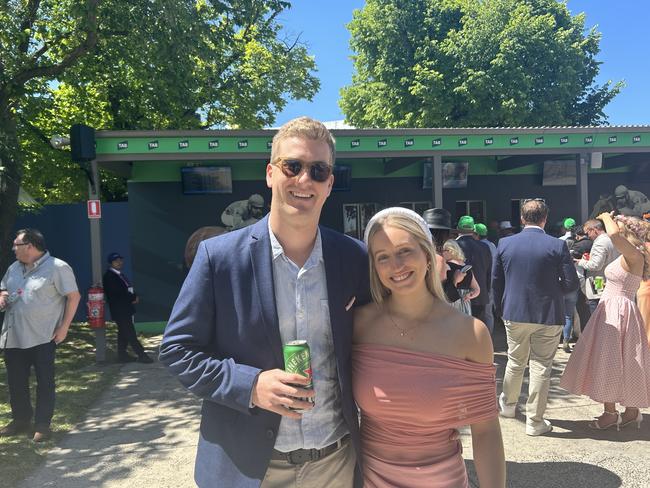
<point>143,432</point>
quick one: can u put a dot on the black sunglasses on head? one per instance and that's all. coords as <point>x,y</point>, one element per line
<point>318,171</point>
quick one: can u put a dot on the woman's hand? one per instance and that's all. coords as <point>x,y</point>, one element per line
<point>605,215</point>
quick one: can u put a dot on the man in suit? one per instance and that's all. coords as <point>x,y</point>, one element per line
<point>532,273</point>
<point>249,292</point>
<point>121,301</point>
<point>479,256</point>
<point>602,253</point>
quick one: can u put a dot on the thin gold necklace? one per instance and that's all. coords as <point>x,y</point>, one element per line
<point>402,332</point>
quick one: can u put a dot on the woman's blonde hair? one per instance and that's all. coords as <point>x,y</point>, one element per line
<point>452,247</point>
<point>637,233</point>
<point>408,224</point>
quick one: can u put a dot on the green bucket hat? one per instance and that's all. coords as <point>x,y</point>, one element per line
<point>569,223</point>
<point>480,229</point>
<point>466,222</point>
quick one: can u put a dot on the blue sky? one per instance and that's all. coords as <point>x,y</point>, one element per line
<point>625,39</point>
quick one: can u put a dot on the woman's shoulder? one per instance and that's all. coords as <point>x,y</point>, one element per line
<point>364,317</point>
<point>470,336</point>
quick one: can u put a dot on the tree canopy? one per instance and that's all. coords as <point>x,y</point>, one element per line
<point>473,63</point>
<point>137,64</point>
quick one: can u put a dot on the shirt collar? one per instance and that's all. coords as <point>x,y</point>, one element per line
<point>314,258</point>
<point>534,227</point>
<point>115,270</point>
<point>38,262</point>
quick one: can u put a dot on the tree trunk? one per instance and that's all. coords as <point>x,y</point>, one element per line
<point>10,177</point>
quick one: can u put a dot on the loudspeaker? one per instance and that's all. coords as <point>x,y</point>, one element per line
<point>82,143</point>
<point>596,160</point>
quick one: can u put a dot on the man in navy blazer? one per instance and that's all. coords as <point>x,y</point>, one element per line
<point>248,292</point>
<point>532,273</point>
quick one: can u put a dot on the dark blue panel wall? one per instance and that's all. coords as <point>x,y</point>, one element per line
<point>67,233</point>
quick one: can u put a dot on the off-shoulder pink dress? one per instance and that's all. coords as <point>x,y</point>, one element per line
<point>611,361</point>
<point>410,403</point>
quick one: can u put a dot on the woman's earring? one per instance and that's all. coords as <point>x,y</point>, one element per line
<point>429,266</point>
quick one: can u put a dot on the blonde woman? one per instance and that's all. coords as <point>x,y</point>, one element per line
<point>611,361</point>
<point>420,369</point>
<point>468,288</point>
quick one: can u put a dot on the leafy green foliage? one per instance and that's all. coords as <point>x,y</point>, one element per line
<point>442,63</point>
<point>137,64</point>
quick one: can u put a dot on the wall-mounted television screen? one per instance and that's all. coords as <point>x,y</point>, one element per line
<point>198,180</point>
<point>559,173</point>
<point>342,177</point>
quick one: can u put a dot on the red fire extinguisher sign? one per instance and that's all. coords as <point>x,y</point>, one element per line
<point>94,209</point>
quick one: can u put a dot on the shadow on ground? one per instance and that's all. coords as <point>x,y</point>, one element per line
<point>553,475</point>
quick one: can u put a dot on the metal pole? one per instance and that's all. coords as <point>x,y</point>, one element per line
<point>436,181</point>
<point>582,161</point>
<point>96,257</point>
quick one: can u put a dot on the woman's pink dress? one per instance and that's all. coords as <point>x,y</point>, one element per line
<point>611,361</point>
<point>410,403</point>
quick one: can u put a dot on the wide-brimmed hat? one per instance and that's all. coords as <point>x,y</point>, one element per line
<point>437,218</point>
<point>505,224</point>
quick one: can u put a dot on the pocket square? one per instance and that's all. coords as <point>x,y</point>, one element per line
<point>350,303</point>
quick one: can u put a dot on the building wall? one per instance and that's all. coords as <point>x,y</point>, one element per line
<point>162,218</point>
<point>67,234</point>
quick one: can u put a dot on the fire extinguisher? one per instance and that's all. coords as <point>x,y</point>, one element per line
<point>95,307</point>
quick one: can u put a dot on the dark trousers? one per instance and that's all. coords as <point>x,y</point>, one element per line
<point>583,310</point>
<point>126,336</point>
<point>19,363</point>
<point>478,311</point>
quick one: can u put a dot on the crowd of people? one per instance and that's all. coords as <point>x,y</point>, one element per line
<point>399,332</point>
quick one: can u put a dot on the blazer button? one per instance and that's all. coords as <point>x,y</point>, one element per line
<point>270,434</point>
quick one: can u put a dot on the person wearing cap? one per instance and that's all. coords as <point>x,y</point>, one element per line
<point>568,225</point>
<point>248,293</point>
<point>121,302</point>
<point>481,231</point>
<point>505,229</point>
<point>570,298</point>
<point>243,213</point>
<point>479,257</point>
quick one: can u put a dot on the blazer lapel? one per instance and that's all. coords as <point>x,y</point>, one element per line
<point>260,251</point>
<point>335,300</point>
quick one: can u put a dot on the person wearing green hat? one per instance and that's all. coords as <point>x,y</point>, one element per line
<point>481,231</point>
<point>571,298</point>
<point>479,256</point>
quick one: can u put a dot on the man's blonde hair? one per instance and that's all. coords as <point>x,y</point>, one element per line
<point>305,128</point>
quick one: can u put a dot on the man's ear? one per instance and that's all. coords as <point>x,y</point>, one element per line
<point>269,175</point>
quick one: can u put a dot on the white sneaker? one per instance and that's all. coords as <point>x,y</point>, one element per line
<point>506,410</point>
<point>540,428</point>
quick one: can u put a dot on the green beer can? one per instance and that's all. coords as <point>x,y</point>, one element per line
<point>297,359</point>
<point>599,283</point>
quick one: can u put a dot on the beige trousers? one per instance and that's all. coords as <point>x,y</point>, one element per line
<point>333,471</point>
<point>537,343</point>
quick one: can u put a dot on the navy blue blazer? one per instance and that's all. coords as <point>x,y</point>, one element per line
<point>532,273</point>
<point>224,330</point>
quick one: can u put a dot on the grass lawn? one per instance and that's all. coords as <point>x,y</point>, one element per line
<point>79,382</point>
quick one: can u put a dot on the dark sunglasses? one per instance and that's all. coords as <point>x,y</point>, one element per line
<point>318,171</point>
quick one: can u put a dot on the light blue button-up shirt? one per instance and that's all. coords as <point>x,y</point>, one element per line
<point>303,314</point>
